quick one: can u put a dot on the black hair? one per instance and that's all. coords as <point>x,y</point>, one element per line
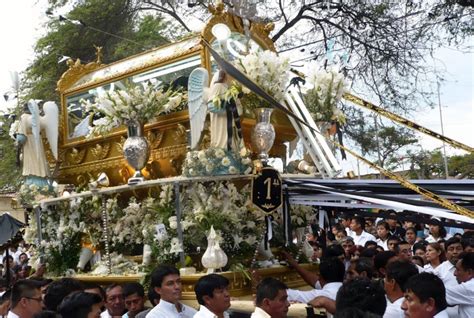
<point>111,286</point>
<point>153,296</point>
<point>130,289</point>
<point>384,224</point>
<point>467,260</point>
<point>78,305</point>
<point>418,258</point>
<point>363,294</point>
<point>393,238</point>
<point>206,285</point>
<point>364,265</point>
<point>428,285</point>
<point>268,288</point>
<point>401,271</point>
<point>23,288</point>
<point>353,312</point>
<point>382,258</point>
<point>451,241</point>
<point>332,270</point>
<point>90,285</point>
<point>419,246</point>
<point>41,280</point>
<point>6,296</point>
<point>334,250</point>
<point>360,220</point>
<point>160,273</point>
<point>369,252</point>
<point>59,289</point>
<point>47,314</point>
<point>368,243</point>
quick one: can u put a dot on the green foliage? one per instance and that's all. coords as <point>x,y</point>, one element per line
<point>60,260</point>
<point>462,166</point>
<point>8,170</point>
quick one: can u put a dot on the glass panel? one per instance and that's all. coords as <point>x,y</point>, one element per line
<point>175,74</point>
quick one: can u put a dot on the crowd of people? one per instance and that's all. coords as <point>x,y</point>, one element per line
<point>367,268</point>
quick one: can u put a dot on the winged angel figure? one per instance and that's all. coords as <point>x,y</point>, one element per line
<point>32,124</point>
<point>225,132</point>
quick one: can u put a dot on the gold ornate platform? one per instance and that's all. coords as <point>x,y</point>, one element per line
<point>239,285</point>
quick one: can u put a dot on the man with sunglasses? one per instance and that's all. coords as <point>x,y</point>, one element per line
<point>26,300</point>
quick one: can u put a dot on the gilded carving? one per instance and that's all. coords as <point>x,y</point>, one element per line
<point>168,152</point>
<point>181,135</point>
<point>76,71</point>
<point>75,156</point>
<point>119,144</point>
<point>100,151</point>
<point>155,137</point>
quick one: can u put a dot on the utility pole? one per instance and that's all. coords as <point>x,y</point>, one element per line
<point>378,143</point>
<point>442,133</point>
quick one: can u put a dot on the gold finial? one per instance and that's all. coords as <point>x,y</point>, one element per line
<point>217,9</point>
<point>99,54</point>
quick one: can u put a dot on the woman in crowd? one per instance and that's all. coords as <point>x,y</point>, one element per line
<point>410,236</point>
<point>383,232</point>
<point>419,249</point>
<point>437,232</point>
<point>434,256</point>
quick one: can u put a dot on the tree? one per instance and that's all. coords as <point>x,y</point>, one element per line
<point>90,23</point>
<point>377,140</point>
<point>461,166</point>
<point>8,170</point>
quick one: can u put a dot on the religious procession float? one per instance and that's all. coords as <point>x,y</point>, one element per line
<point>165,157</point>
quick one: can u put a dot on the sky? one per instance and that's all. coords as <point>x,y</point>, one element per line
<point>21,24</point>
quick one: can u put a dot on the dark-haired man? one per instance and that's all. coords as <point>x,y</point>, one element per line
<point>213,296</point>
<point>26,300</point>
<point>134,296</point>
<point>166,282</point>
<point>463,293</point>
<point>425,297</point>
<point>271,300</point>
<point>114,302</point>
<point>359,234</point>
<point>397,274</point>
<point>331,276</point>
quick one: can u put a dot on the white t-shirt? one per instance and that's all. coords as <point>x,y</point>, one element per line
<point>166,309</point>
<point>206,313</point>
<point>362,238</point>
<point>329,290</point>
<point>394,310</point>
<point>462,295</point>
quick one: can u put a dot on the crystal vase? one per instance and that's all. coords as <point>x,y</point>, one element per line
<point>263,134</point>
<point>136,150</point>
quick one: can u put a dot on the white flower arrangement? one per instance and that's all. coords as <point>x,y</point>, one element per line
<point>267,70</point>
<point>139,103</point>
<point>215,161</point>
<point>326,89</point>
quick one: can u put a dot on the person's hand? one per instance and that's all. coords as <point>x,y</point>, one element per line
<point>40,270</point>
<point>287,256</point>
<point>324,302</point>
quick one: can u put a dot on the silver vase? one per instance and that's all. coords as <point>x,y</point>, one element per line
<point>136,150</point>
<point>263,134</point>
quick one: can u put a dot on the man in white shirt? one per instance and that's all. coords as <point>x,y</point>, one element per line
<point>445,270</point>
<point>331,276</point>
<point>114,302</point>
<point>425,297</point>
<point>167,283</point>
<point>271,300</point>
<point>397,274</point>
<point>463,293</point>
<point>358,234</point>
<point>212,294</point>
<point>26,300</point>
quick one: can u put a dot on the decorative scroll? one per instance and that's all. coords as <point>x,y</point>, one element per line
<point>359,101</point>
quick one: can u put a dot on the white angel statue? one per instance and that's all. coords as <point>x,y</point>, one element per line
<point>31,125</point>
<point>223,119</point>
